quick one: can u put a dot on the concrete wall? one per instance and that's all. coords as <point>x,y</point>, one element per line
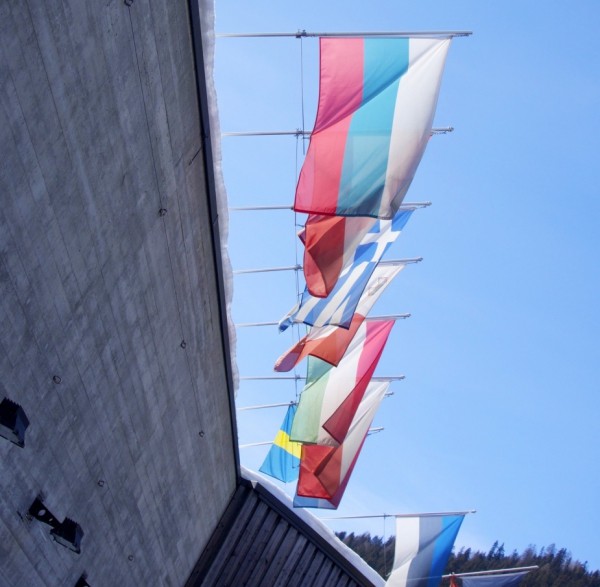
<point>99,130</point>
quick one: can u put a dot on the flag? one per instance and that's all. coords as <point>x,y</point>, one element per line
<point>339,306</point>
<point>325,470</point>
<point>329,343</point>
<point>423,545</point>
<point>331,242</point>
<point>499,580</point>
<point>377,99</point>
<point>331,397</point>
<point>283,460</point>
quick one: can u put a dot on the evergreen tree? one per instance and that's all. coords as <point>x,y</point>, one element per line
<point>557,567</point>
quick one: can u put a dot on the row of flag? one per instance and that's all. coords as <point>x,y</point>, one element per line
<point>377,100</point>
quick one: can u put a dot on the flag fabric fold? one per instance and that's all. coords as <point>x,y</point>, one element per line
<point>332,395</point>
<point>330,244</point>
<point>326,470</point>
<point>283,459</point>
<point>329,343</point>
<point>339,306</point>
<point>423,545</point>
<point>377,100</point>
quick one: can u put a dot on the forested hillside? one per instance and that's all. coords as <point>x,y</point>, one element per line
<point>557,567</point>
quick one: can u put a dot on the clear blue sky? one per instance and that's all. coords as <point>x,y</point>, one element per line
<point>500,408</point>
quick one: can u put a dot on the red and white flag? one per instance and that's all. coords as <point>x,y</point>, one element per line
<point>325,470</point>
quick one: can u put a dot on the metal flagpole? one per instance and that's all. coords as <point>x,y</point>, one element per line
<point>298,34</point>
<point>403,206</point>
<point>387,394</point>
<point>291,268</point>
<point>422,515</point>
<point>495,571</point>
<point>371,430</point>
<point>441,130</point>
<point>267,406</point>
<point>298,377</point>
<point>299,267</point>
<point>369,319</point>
<point>255,444</point>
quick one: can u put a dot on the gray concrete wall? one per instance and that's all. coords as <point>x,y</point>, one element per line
<point>99,130</point>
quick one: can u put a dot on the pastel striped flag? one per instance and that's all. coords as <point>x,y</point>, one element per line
<point>325,470</point>
<point>331,243</point>
<point>339,306</point>
<point>377,100</point>
<point>329,343</point>
<point>283,460</point>
<point>332,395</point>
<point>423,545</point>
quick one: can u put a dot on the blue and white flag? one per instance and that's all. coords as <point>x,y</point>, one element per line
<point>423,546</point>
<point>499,580</point>
<point>338,307</point>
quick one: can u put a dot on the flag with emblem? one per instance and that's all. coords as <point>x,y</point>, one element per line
<point>329,343</point>
<point>339,306</point>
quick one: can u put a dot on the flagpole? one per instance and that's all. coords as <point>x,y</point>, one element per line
<point>255,444</point>
<point>298,377</point>
<point>298,34</point>
<point>299,267</point>
<point>266,406</point>
<point>387,394</point>
<point>422,515</point>
<point>441,130</point>
<point>369,431</point>
<point>368,319</point>
<point>403,206</point>
<point>495,571</point>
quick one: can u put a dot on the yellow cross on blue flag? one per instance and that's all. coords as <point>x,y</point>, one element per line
<point>283,460</point>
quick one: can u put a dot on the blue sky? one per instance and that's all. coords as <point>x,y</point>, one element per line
<point>500,407</point>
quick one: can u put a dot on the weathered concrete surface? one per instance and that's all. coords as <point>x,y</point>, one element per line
<point>99,130</point>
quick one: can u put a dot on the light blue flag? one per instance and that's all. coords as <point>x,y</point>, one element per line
<point>423,545</point>
<point>312,502</point>
<point>283,460</point>
<point>339,306</point>
<point>499,580</point>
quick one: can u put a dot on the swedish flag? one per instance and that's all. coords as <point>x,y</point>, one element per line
<point>283,460</point>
